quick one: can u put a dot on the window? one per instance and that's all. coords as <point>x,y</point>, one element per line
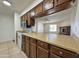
<point>52,28</point>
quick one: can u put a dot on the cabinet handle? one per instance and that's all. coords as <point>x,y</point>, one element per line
<point>61,52</point>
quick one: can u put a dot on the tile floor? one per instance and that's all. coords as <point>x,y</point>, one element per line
<point>10,50</point>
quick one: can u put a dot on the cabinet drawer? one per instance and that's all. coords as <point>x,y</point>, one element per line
<point>42,44</point>
<point>32,40</point>
<point>62,52</point>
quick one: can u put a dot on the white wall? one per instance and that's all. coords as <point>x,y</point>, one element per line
<point>75,21</point>
<point>6,27</point>
<point>59,24</point>
<point>66,22</point>
<point>40,27</point>
<point>17,23</point>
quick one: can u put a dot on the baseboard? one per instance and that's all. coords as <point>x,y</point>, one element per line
<point>2,41</point>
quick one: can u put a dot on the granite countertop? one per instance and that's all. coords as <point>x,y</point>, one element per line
<point>63,41</point>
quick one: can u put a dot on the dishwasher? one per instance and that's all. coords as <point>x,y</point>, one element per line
<point>19,43</point>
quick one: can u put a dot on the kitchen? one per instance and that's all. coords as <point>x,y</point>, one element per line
<point>49,35</point>
<point>48,29</point>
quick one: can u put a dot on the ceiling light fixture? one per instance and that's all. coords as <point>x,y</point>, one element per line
<point>7,3</point>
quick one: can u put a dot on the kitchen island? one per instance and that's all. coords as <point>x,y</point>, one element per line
<point>49,45</point>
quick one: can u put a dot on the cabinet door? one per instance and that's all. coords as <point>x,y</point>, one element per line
<point>32,50</point>
<point>58,2</point>
<point>42,44</point>
<point>32,12</point>
<point>26,17</point>
<point>29,23</point>
<point>39,9</point>
<point>41,52</point>
<point>27,46</point>
<point>63,6</point>
<point>48,4</point>
<point>31,20</point>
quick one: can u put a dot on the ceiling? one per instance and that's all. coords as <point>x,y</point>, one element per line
<point>17,6</point>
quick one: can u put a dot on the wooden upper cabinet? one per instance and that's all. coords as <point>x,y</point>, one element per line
<point>58,2</point>
<point>62,7</point>
<point>29,23</point>
<point>31,20</point>
<point>48,4</point>
<point>22,18</point>
<point>39,8</point>
<point>26,17</point>
<point>32,13</point>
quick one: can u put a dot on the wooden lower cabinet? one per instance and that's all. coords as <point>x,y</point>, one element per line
<point>27,46</point>
<point>37,49</point>
<point>41,52</point>
<point>32,50</point>
<point>51,55</point>
<point>27,49</point>
<point>63,53</point>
